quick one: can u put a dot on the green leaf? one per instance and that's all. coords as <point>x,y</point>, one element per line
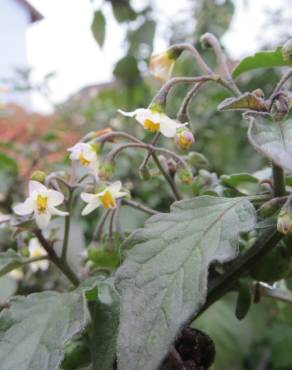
<point>98,27</point>
<point>262,59</point>
<point>8,164</point>
<point>163,280</point>
<point>105,326</point>
<point>35,328</point>
<point>123,11</point>
<point>281,355</point>
<point>9,261</point>
<point>243,302</point>
<point>243,183</point>
<point>272,139</point>
<point>127,70</point>
<point>246,101</point>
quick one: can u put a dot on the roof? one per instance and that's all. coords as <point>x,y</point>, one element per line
<point>35,15</point>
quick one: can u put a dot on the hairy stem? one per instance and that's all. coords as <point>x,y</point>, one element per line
<point>278,181</point>
<point>140,207</point>
<point>67,227</point>
<point>182,114</point>
<point>62,265</point>
<point>99,227</point>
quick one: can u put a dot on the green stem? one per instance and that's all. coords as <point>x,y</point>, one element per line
<point>67,228</point>
<point>278,181</point>
<point>140,207</point>
<point>167,177</point>
<point>35,259</point>
<point>98,230</point>
<point>148,155</point>
<point>62,265</point>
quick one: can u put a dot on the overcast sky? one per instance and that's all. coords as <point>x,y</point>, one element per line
<point>63,42</point>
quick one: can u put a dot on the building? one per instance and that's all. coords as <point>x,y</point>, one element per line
<point>15,17</point>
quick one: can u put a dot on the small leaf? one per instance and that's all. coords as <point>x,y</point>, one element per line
<point>98,27</point>
<point>247,101</point>
<point>272,139</point>
<point>35,328</point>
<point>243,302</point>
<point>123,11</point>
<point>262,59</point>
<point>105,326</point>
<point>243,182</point>
<point>9,261</point>
<point>163,280</point>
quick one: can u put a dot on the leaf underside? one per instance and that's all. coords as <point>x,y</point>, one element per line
<point>35,328</point>
<point>163,281</point>
<point>272,139</point>
<point>246,101</point>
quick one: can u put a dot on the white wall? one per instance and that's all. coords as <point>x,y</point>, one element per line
<point>14,20</point>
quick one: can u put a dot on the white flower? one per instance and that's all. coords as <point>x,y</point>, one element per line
<point>16,274</point>
<point>154,121</point>
<point>86,155</point>
<point>41,202</point>
<point>36,250</point>
<point>106,198</point>
<point>161,66</point>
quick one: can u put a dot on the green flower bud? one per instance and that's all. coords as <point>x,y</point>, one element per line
<point>284,222</point>
<point>39,176</point>
<point>185,175</point>
<point>287,50</point>
<point>24,252</point>
<point>106,170</point>
<point>144,173</point>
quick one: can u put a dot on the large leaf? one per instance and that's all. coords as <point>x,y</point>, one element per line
<point>105,326</point>
<point>35,328</point>
<point>163,280</point>
<point>9,261</point>
<point>262,59</point>
<point>98,27</point>
<point>272,139</point>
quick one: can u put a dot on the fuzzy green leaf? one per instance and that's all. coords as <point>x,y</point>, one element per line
<point>105,325</point>
<point>9,261</point>
<point>98,27</point>
<point>163,280</point>
<point>247,101</point>
<point>34,329</point>
<point>272,139</point>
<point>262,59</point>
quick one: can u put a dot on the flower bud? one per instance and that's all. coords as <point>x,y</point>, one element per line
<point>184,138</point>
<point>144,173</point>
<point>185,175</point>
<point>287,50</point>
<point>280,107</point>
<point>284,222</point>
<point>106,170</point>
<point>161,65</point>
<point>39,176</point>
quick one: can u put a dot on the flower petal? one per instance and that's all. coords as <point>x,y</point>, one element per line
<point>147,114</point>
<point>128,114</point>
<point>57,212</point>
<point>115,187</point>
<point>55,198</point>
<point>89,208</point>
<point>88,197</point>
<point>42,219</point>
<point>169,126</point>
<point>24,208</point>
<point>36,187</point>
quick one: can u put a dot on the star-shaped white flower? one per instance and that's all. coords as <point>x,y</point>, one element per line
<point>42,203</point>
<point>106,198</point>
<point>153,121</point>
<point>36,250</point>
<point>86,155</point>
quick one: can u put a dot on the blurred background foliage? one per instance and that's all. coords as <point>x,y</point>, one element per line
<point>262,340</point>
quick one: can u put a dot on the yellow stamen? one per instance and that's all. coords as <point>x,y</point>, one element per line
<point>36,253</point>
<point>151,126</point>
<point>107,200</point>
<point>42,203</point>
<point>83,161</point>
